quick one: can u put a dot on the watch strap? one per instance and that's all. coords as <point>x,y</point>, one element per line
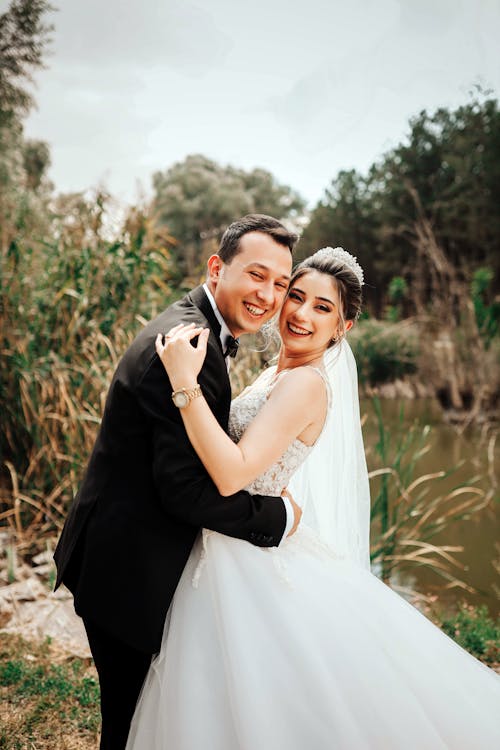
<point>189,393</point>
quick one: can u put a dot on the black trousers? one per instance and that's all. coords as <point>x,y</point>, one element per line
<point>122,671</point>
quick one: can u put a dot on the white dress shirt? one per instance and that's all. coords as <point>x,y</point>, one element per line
<point>223,335</point>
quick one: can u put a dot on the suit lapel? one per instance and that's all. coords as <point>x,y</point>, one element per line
<point>200,299</point>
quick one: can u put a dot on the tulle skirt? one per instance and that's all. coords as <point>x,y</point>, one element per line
<point>291,649</point>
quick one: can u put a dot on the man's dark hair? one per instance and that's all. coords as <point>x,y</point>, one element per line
<point>230,242</point>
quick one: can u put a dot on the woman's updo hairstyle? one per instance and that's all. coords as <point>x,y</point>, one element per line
<point>347,275</point>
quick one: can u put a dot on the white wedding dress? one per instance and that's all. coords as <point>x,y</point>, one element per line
<point>294,648</point>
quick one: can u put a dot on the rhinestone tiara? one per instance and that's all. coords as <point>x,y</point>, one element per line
<point>338,253</point>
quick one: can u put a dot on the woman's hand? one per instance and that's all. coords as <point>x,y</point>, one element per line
<point>181,360</point>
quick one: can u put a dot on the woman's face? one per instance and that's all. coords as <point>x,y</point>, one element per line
<point>310,316</point>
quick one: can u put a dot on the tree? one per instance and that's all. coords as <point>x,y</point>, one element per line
<point>446,173</point>
<point>345,217</point>
<point>23,39</point>
<point>450,166</point>
<point>197,198</point>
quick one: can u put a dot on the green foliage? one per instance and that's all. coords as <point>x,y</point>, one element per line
<point>58,681</point>
<point>70,308</point>
<point>398,289</point>
<point>451,160</point>
<point>474,629</point>
<point>197,198</point>
<point>397,293</point>
<point>487,312</point>
<point>23,39</point>
<point>44,702</point>
<point>36,160</point>
<point>383,351</point>
<point>447,168</point>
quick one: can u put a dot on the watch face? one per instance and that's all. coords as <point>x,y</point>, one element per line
<point>180,399</point>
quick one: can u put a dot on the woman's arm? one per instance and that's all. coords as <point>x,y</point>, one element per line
<point>182,486</point>
<point>295,404</point>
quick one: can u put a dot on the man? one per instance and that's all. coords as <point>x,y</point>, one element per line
<point>145,494</point>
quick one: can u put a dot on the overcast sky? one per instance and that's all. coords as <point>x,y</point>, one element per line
<point>302,89</point>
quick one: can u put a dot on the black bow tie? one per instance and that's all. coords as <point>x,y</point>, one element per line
<point>232,345</point>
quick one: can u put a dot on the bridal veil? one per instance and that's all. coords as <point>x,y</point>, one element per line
<point>332,484</point>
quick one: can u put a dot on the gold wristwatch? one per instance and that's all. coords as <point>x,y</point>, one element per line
<point>184,396</point>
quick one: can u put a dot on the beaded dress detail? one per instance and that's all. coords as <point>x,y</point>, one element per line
<point>244,409</point>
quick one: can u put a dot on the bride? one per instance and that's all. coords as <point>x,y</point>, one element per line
<point>301,646</point>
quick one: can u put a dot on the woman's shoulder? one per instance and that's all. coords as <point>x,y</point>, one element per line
<point>302,391</point>
<point>297,383</point>
<point>304,381</point>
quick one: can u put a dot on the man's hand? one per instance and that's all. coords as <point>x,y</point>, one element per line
<point>297,512</point>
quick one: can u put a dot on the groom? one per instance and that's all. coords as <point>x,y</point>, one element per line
<point>145,494</point>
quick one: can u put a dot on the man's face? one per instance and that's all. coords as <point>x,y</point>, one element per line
<point>250,289</point>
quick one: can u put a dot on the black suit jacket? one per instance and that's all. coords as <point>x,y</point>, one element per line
<point>145,493</point>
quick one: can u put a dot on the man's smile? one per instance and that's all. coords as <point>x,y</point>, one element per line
<point>254,310</point>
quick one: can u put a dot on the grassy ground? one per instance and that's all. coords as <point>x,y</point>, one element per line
<point>48,701</point>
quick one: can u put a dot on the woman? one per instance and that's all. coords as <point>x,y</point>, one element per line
<point>301,646</point>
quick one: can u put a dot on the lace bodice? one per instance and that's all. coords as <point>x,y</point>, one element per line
<point>243,410</point>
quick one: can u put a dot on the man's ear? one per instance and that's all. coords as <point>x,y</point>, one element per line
<point>214,269</point>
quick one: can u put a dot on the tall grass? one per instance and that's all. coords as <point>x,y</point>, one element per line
<point>69,310</point>
<point>410,509</point>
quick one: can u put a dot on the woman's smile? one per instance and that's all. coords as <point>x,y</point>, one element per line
<point>309,317</point>
<point>297,330</point>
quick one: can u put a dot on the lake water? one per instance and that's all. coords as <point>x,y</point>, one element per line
<point>479,534</point>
